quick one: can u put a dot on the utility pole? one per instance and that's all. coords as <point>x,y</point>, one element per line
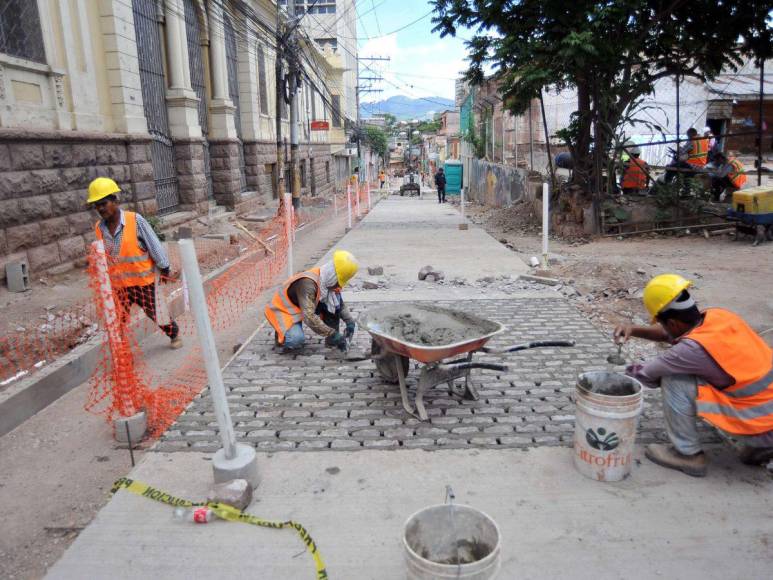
<point>279,71</point>
<point>294,80</point>
<point>361,89</point>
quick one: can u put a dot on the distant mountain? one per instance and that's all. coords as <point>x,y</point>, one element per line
<point>406,108</point>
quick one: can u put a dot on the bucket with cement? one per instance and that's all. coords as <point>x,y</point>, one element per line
<point>451,541</point>
<point>608,409</point>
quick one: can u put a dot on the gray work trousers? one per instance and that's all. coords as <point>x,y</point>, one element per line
<point>680,393</point>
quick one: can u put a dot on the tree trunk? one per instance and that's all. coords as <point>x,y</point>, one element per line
<point>583,161</point>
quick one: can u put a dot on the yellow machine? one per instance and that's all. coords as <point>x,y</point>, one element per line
<point>752,212</point>
<point>755,200</point>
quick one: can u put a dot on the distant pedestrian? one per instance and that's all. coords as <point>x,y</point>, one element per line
<point>440,182</point>
<point>134,252</point>
<point>382,178</point>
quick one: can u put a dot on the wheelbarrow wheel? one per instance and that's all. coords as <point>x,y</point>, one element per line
<point>386,365</point>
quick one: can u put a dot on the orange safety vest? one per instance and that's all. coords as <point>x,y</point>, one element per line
<point>635,176</point>
<point>745,407</point>
<point>700,152</point>
<point>133,266</point>
<point>738,176</point>
<point>280,312</point>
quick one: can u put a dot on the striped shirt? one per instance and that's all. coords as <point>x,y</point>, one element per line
<point>146,237</point>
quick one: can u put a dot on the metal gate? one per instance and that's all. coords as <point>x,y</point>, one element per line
<point>153,84</point>
<point>196,63</point>
<point>233,91</point>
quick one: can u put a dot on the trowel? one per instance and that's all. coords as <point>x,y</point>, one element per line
<point>617,358</point>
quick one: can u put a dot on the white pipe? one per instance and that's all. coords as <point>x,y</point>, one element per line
<point>349,205</point>
<point>545,219</point>
<point>208,348</point>
<point>288,201</point>
<point>335,204</point>
<point>357,198</point>
<point>367,189</point>
<point>461,202</point>
<point>186,296</point>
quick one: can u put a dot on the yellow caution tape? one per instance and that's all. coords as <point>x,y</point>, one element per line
<point>225,512</point>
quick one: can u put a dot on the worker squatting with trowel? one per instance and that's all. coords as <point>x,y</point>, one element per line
<point>314,297</point>
<point>717,369</point>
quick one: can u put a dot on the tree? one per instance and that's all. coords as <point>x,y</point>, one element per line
<point>377,140</point>
<point>612,52</point>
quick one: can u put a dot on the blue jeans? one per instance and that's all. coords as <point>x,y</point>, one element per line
<point>680,393</point>
<point>294,338</point>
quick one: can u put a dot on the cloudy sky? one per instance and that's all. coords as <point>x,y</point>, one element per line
<point>422,64</point>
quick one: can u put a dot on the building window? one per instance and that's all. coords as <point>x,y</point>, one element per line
<point>327,42</point>
<point>20,32</point>
<point>262,80</point>
<point>312,6</point>
<point>336,110</point>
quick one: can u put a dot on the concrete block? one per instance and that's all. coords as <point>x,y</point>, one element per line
<point>244,465</point>
<point>136,425</point>
<point>17,277</point>
<point>236,493</point>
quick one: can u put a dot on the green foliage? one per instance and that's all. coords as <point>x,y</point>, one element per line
<point>611,52</point>
<point>683,196</point>
<point>156,223</point>
<point>478,143</point>
<point>376,138</point>
<point>429,126</point>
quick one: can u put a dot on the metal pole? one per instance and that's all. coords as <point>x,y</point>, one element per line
<point>208,347</point>
<point>545,222</point>
<point>759,134</point>
<point>295,176</point>
<point>279,94</point>
<point>289,233</point>
<point>349,204</point>
<point>678,127</point>
<point>461,202</point>
<point>531,138</point>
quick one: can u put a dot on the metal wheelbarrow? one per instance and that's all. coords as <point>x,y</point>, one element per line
<point>429,334</point>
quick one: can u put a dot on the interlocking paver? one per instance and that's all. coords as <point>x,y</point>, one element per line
<point>309,402</point>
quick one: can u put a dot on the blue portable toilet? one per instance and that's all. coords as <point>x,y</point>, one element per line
<point>453,170</point>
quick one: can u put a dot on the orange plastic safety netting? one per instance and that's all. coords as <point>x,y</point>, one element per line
<point>129,377</point>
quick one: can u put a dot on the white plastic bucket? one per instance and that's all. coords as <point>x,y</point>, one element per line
<point>608,409</point>
<point>437,538</point>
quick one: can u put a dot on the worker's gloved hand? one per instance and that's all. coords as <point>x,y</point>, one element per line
<point>350,326</point>
<point>338,340</point>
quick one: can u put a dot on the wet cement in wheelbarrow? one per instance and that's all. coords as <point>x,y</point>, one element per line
<point>428,331</point>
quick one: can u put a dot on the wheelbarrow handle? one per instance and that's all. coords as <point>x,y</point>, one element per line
<point>476,365</point>
<point>527,345</point>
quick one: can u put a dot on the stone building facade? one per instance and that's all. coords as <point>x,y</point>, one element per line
<point>174,99</point>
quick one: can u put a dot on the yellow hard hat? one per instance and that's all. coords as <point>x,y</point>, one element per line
<point>661,291</point>
<point>100,188</point>
<point>346,266</point>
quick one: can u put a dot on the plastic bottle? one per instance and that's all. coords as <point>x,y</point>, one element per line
<point>199,515</point>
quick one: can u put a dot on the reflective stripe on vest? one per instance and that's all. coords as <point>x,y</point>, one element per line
<point>132,266</point>
<point>635,177</point>
<point>280,312</point>
<point>746,407</point>
<point>738,176</point>
<point>700,152</point>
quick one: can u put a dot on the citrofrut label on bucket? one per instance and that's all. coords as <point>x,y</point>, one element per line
<point>601,440</point>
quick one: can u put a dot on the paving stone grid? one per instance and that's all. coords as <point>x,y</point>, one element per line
<point>308,402</point>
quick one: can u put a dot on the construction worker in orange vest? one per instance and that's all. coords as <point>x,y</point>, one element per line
<point>381,178</point>
<point>718,370</point>
<point>691,157</point>
<point>635,170</point>
<point>134,255</point>
<point>314,297</point>
<point>729,174</point>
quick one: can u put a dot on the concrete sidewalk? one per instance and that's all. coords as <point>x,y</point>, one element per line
<point>506,454</point>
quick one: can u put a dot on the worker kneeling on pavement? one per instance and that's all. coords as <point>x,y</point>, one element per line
<point>134,252</point>
<point>718,369</point>
<point>314,297</point>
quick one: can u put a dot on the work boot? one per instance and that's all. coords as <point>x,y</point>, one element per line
<point>176,343</point>
<point>755,455</point>
<point>666,456</point>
